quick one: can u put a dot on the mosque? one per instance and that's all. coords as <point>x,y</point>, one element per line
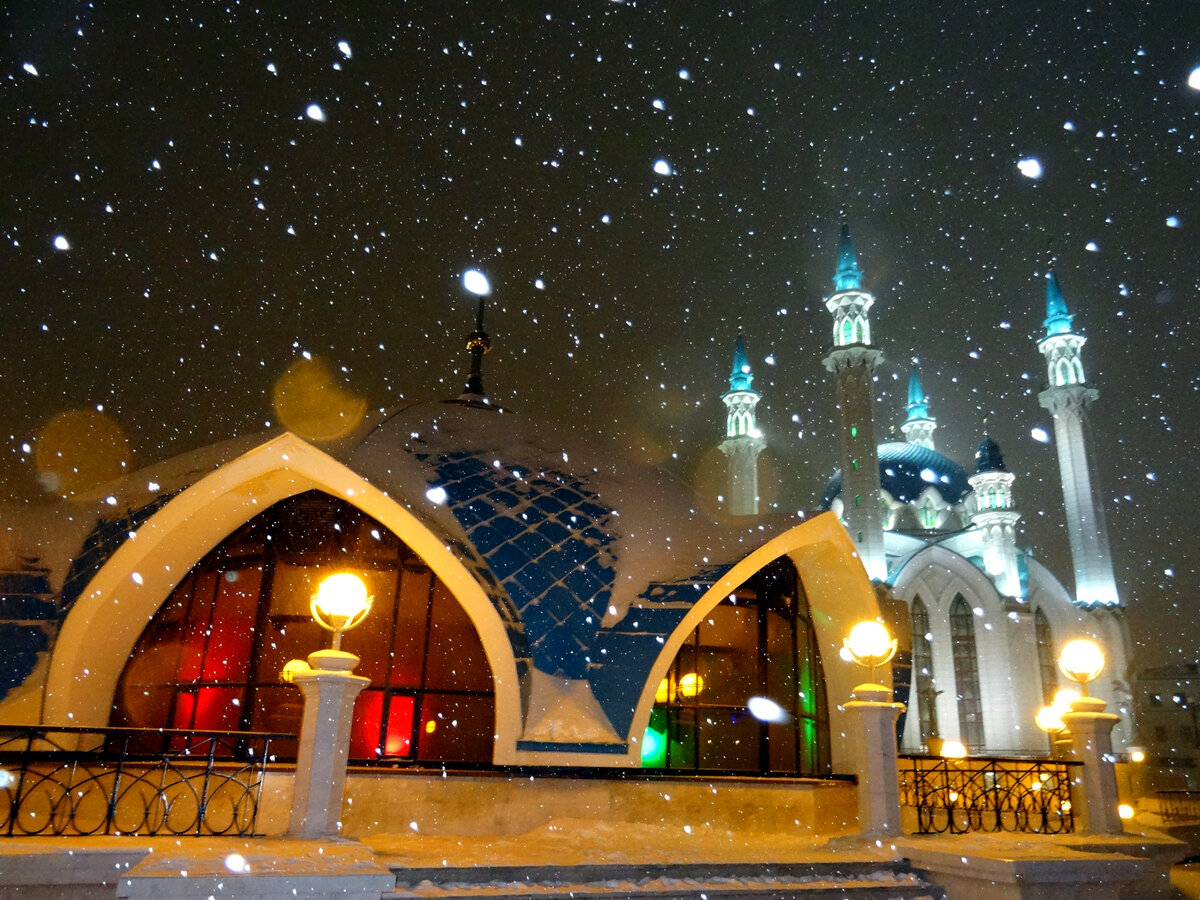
<point>983,614</point>
<point>539,603</point>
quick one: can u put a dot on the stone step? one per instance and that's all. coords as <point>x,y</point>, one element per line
<point>808,881</point>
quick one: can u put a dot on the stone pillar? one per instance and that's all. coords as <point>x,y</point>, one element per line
<point>329,693</point>
<point>875,760</point>
<point>1091,744</point>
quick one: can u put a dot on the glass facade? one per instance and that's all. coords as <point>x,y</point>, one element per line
<point>211,657</point>
<point>745,692</point>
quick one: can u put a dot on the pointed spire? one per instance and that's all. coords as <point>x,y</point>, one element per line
<point>918,403</point>
<point>848,276</point>
<point>740,377</point>
<point>478,343</point>
<point>1058,320</point>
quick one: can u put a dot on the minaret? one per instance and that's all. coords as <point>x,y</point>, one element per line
<point>919,426</point>
<point>743,441</point>
<point>852,362</point>
<point>1068,397</point>
<point>996,518</point>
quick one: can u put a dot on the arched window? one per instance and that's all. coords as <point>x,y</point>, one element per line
<point>929,514</point>
<point>746,693</point>
<point>1064,373</point>
<point>966,673</point>
<point>1046,656</point>
<point>923,670</point>
<point>847,330</point>
<point>210,658</point>
<point>1077,369</point>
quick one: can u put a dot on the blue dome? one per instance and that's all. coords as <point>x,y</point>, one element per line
<point>906,470</point>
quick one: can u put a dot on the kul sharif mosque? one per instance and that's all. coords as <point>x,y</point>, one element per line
<point>983,615</point>
<point>540,602</point>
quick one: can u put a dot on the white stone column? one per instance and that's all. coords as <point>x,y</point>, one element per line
<point>875,761</point>
<point>1091,744</point>
<point>329,693</point>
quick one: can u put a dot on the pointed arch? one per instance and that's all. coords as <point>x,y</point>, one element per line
<point>128,590</point>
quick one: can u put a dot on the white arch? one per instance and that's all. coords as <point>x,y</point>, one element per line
<point>99,633</point>
<point>839,594</point>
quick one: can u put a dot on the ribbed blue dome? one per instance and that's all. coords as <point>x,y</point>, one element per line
<point>906,470</point>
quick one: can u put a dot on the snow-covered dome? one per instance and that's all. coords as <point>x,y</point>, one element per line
<point>906,471</point>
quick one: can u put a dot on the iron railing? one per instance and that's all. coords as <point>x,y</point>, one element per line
<point>83,781</point>
<point>1178,806</point>
<point>957,796</point>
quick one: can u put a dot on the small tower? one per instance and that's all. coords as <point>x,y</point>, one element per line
<point>478,344</point>
<point>743,441</point>
<point>919,426</point>
<point>1068,398</point>
<point>996,518</point>
<point>852,363</point>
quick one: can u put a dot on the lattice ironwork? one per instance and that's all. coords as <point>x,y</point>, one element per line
<point>1179,806</point>
<point>82,781</point>
<point>957,796</point>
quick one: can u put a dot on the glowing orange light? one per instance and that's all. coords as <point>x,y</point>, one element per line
<point>311,401</point>
<point>691,684</point>
<point>78,450</point>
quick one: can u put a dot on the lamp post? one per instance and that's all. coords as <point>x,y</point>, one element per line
<point>869,645</point>
<point>330,689</point>
<point>1090,728</point>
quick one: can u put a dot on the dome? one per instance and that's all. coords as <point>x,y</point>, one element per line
<point>906,471</point>
<point>988,457</point>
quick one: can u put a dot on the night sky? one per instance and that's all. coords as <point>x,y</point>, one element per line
<point>193,196</point>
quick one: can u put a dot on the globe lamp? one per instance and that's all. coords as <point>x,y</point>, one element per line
<point>1082,661</point>
<point>340,603</point>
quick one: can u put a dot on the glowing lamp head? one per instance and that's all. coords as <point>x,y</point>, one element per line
<point>870,645</point>
<point>691,684</point>
<point>1063,698</point>
<point>1137,756</point>
<point>1049,719</point>
<point>292,668</point>
<point>340,603</point>
<point>1125,811</point>
<point>953,750</point>
<point>476,282</point>
<point>1082,661</point>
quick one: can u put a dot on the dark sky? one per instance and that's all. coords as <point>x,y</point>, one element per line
<point>216,231</point>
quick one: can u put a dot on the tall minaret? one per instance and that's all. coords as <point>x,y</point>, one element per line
<point>918,427</point>
<point>1068,397</point>
<point>852,362</point>
<point>743,441</point>
<point>996,518</point>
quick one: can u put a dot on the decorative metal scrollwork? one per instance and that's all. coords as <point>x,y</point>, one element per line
<point>82,781</point>
<point>957,796</point>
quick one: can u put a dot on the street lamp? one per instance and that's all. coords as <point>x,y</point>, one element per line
<point>1082,661</point>
<point>340,603</point>
<point>870,646</point>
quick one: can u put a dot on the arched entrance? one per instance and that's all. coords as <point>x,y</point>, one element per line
<point>210,658</point>
<point>745,692</point>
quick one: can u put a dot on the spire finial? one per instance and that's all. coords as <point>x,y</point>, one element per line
<point>740,377</point>
<point>918,403</point>
<point>1058,320</point>
<point>848,276</point>
<point>478,342</point>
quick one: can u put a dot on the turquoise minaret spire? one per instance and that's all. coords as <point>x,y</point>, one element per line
<point>1068,397</point>
<point>743,441</point>
<point>740,378</point>
<point>1058,320</point>
<point>852,363</point>
<point>848,276</point>
<point>919,426</point>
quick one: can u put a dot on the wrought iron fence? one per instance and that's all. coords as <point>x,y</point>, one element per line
<point>82,781</point>
<point>1179,806</point>
<point>985,794</point>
